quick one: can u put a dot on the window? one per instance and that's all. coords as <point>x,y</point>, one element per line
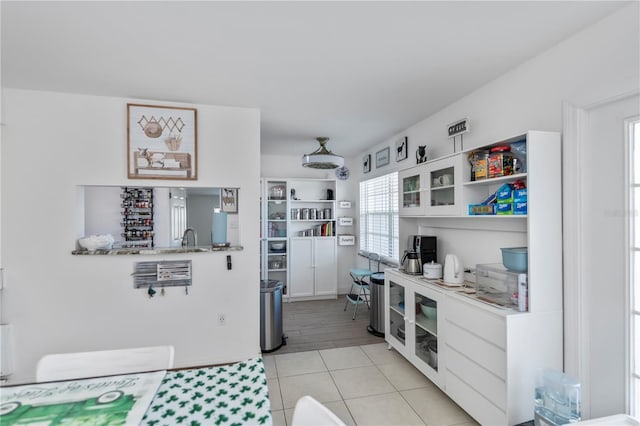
<point>633,138</point>
<point>379,228</point>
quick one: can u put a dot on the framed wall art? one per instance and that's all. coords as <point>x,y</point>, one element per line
<point>382,157</point>
<point>229,200</point>
<point>402,149</point>
<point>366,163</point>
<point>161,142</point>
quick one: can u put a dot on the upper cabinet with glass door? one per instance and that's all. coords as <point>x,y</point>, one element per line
<point>487,181</point>
<point>443,177</point>
<point>411,191</point>
<point>431,188</point>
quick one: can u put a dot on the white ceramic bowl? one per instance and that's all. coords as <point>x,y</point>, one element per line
<point>428,311</point>
<point>97,242</point>
<point>279,245</point>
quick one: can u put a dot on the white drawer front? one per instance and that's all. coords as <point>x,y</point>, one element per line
<point>480,351</point>
<point>480,322</point>
<point>473,403</point>
<point>493,388</point>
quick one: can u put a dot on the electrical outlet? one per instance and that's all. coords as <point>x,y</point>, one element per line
<point>222,319</point>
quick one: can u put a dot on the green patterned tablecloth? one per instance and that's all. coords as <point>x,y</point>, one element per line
<point>235,394</point>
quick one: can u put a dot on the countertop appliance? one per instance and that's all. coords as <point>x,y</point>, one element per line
<point>432,270</point>
<point>411,263</point>
<point>453,273</point>
<point>425,246</point>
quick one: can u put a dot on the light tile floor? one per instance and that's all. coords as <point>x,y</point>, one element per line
<point>363,385</point>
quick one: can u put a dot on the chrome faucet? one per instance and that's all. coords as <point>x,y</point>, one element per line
<point>185,239</point>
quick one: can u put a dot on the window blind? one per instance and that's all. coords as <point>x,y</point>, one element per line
<point>379,230</point>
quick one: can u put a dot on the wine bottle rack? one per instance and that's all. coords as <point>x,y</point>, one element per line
<point>137,213</point>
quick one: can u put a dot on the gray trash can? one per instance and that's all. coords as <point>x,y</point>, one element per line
<point>271,337</point>
<point>376,313</point>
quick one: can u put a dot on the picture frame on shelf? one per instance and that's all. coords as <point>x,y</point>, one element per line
<point>161,142</point>
<point>366,163</point>
<point>229,200</point>
<point>402,149</point>
<point>382,157</point>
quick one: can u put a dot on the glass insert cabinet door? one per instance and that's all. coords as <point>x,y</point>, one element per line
<point>444,179</point>
<point>396,314</point>
<point>412,325</point>
<point>442,187</point>
<point>275,244</point>
<point>411,189</point>
<point>426,330</point>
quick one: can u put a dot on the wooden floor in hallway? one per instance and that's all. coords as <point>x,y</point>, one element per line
<point>324,324</point>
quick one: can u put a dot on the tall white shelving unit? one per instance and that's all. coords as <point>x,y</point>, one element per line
<point>298,242</point>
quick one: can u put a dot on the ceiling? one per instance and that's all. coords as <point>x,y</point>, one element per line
<point>357,72</point>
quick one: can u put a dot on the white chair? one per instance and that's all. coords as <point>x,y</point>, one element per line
<point>309,412</point>
<point>80,365</point>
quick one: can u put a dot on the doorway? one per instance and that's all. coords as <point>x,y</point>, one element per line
<point>594,235</point>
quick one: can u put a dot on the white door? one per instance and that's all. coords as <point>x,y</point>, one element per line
<point>325,266</point>
<point>301,267</point>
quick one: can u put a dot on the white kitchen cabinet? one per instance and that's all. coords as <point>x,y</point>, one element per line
<point>425,192</point>
<point>411,191</point>
<point>488,356</point>
<point>313,266</point>
<point>433,188</point>
<point>444,193</point>
<point>493,356</point>
<point>294,208</point>
<point>410,330</point>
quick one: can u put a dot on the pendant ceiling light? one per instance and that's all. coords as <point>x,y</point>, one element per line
<point>322,158</point>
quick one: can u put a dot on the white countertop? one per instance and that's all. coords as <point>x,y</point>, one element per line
<point>463,292</point>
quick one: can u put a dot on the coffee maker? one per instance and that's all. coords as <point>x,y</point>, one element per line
<point>425,246</point>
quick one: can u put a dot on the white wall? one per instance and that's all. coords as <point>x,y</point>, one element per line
<point>597,63</point>
<point>102,211</point>
<point>58,302</point>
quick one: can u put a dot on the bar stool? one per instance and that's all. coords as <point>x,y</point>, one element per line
<point>359,291</point>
